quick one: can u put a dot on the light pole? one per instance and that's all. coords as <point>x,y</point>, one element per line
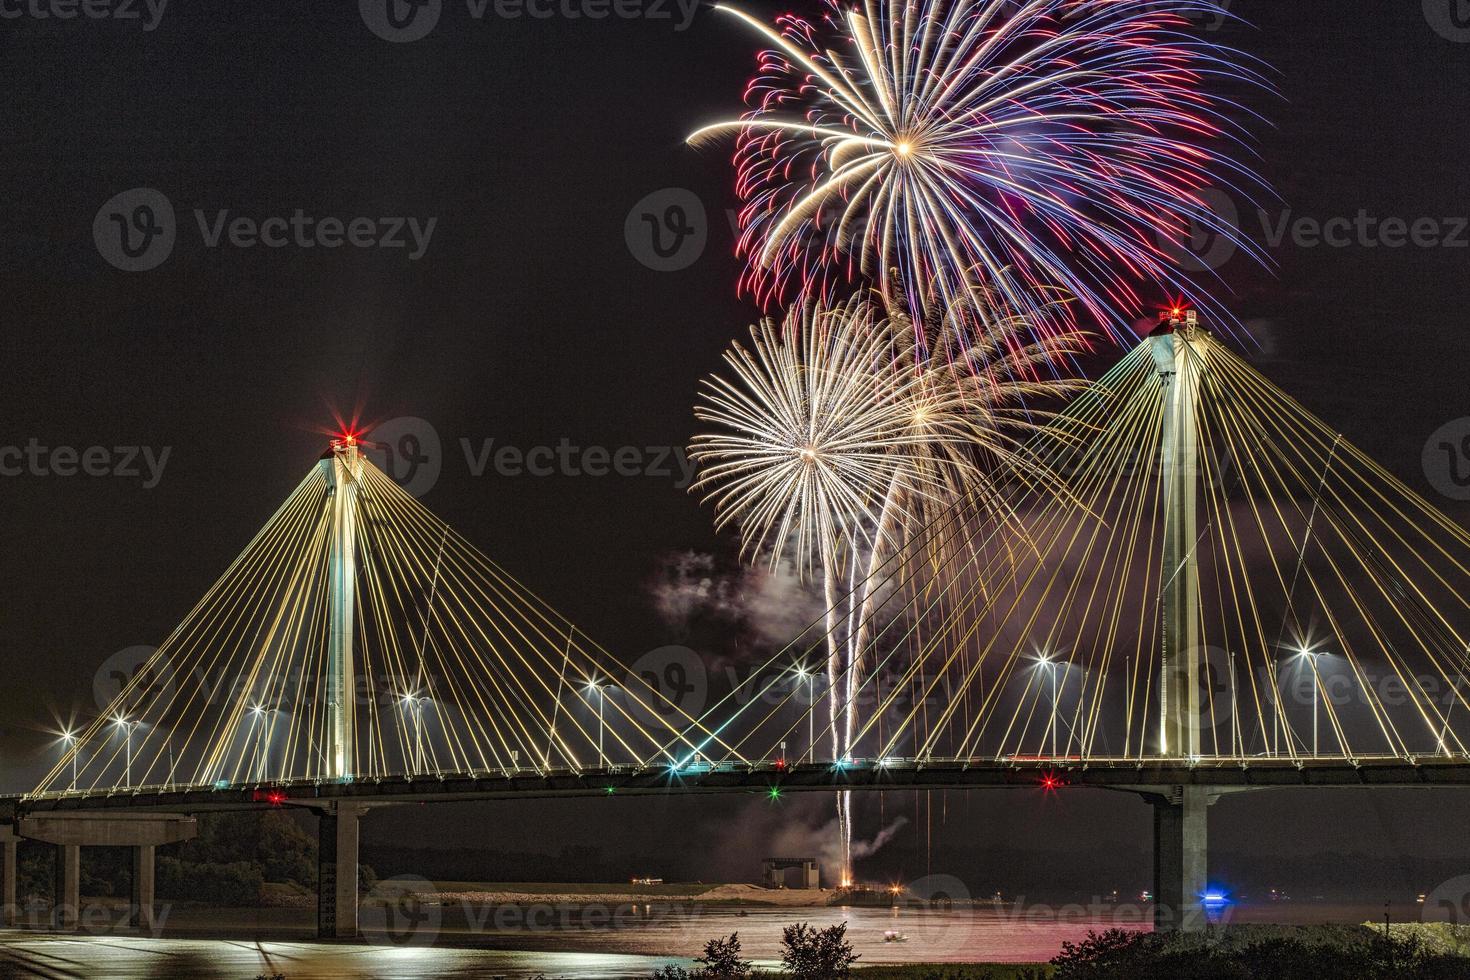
<point>127,727</point>
<point>414,705</point>
<point>418,728</point>
<point>598,689</point>
<point>262,770</point>
<point>1311,657</point>
<point>69,739</point>
<point>1046,661</point>
<point>811,713</point>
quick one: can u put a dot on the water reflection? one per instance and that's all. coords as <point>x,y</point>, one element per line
<point>549,940</point>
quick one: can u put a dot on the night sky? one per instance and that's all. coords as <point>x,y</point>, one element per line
<point>529,319</point>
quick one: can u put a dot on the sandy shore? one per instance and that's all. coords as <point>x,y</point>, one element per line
<point>714,895</point>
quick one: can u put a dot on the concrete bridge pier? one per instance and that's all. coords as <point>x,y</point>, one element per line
<point>70,832</point>
<point>338,835</point>
<point>143,905</point>
<point>1181,867</point>
<point>9,908</point>
<point>67,887</point>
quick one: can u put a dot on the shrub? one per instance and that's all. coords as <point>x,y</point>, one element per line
<point>817,954</point>
<point>721,959</point>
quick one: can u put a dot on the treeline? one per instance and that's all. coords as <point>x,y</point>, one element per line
<point>234,858</point>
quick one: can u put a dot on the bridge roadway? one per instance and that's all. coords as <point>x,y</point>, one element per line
<point>1137,775</point>
<point>1179,792</point>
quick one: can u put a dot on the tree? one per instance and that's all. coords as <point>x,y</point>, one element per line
<point>722,960</point>
<point>817,954</point>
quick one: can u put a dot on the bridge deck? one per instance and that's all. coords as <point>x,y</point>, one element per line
<point>762,777</point>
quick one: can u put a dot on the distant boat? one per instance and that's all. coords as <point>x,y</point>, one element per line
<point>894,937</point>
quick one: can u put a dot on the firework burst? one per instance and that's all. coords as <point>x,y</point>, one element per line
<point>819,420</point>
<point>839,443</point>
<point>1036,148</point>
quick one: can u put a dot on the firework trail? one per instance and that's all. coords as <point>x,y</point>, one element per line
<point>1039,149</point>
<point>836,437</point>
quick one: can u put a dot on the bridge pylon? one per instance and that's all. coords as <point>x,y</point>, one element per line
<point>1181,820</point>
<point>342,466</point>
<point>1174,345</point>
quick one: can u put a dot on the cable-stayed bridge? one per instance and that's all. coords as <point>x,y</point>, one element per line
<point>1192,587</point>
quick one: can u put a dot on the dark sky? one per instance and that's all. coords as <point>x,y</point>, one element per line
<point>528,319</point>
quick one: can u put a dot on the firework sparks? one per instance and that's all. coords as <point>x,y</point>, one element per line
<point>838,441</point>
<point>1036,148</point>
<point>820,420</point>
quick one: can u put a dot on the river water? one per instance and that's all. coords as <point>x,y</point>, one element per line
<point>560,942</point>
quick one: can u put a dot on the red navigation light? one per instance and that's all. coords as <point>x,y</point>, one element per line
<point>274,797</point>
<point>1050,782</point>
<point>781,765</point>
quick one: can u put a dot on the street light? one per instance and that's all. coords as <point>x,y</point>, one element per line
<point>1312,656</point>
<point>1046,661</point>
<point>597,688</point>
<point>69,739</point>
<point>415,705</point>
<point>811,701</point>
<point>262,768</point>
<point>127,727</point>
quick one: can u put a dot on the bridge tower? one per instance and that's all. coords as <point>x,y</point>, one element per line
<point>342,466</point>
<point>1176,348</point>
<point>1180,817</point>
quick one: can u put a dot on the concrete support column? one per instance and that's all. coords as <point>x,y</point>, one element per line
<point>9,908</point>
<point>68,891</point>
<point>337,852</point>
<point>1181,824</point>
<point>141,911</point>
